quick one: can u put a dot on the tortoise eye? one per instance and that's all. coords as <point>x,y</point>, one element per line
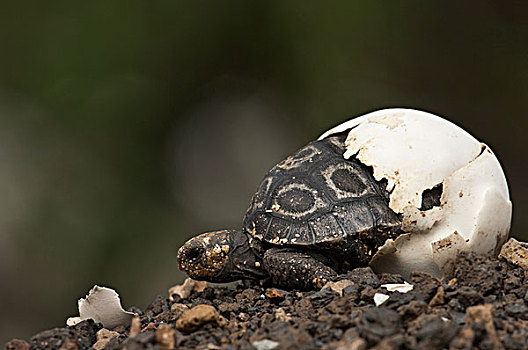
<point>195,253</point>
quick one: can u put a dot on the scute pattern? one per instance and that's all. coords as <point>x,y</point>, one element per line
<point>316,196</point>
<point>297,200</point>
<point>344,181</point>
<point>306,154</point>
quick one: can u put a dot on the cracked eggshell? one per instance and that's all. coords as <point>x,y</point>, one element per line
<point>103,305</point>
<point>416,151</point>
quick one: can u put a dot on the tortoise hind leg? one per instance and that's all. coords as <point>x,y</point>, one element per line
<point>292,268</point>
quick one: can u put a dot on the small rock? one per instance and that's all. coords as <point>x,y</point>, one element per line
<point>352,291</point>
<point>184,290</point>
<point>135,327</point>
<point>281,315</point>
<point>304,307</point>
<point>159,305</point>
<point>438,298</point>
<point>398,300</point>
<point>335,321</point>
<point>265,344</point>
<point>149,326</point>
<point>356,344</point>
<point>375,324</point>
<point>426,285</point>
<point>177,308</point>
<point>289,337</point>
<point>483,314</point>
<point>243,317</point>
<point>247,296</point>
<point>275,295</point>
<point>394,342</point>
<point>199,315</point>
<point>165,337</point>
<point>81,335</point>
<point>17,344</point>
<point>463,340</point>
<point>141,339</point>
<point>338,286</point>
<point>517,309</point>
<point>515,252</point>
<point>468,296</point>
<point>386,278</point>
<point>103,337</point>
<point>368,293</point>
<point>432,331</point>
<point>228,307</point>
<point>323,297</point>
<point>480,313</point>
<point>363,277</point>
<point>69,344</point>
<point>412,310</point>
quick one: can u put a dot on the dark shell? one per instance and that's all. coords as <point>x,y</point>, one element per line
<point>316,196</point>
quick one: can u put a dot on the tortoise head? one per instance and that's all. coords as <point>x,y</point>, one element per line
<point>219,256</point>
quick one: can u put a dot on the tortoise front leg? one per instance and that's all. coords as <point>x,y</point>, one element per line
<point>292,268</point>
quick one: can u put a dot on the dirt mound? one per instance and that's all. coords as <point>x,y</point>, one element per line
<point>482,306</point>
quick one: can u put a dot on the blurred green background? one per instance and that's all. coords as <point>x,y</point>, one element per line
<point>127,127</point>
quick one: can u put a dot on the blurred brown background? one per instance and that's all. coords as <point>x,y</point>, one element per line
<point>126,127</point>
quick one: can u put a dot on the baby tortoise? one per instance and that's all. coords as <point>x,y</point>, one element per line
<point>314,215</point>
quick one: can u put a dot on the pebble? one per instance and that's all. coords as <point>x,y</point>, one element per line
<point>438,298</point>
<point>198,316</point>
<point>483,314</point>
<point>135,327</point>
<point>323,297</point>
<point>265,344</point>
<point>17,344</point>
<point>103,337</point>
<point>338,286</point>
<point>184,290</point>
<point>275,295</point>
<point>165,337</point>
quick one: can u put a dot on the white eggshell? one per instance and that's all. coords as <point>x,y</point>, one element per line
<point>415,151</point>
<point>380,298</point>
<point>103,305</point>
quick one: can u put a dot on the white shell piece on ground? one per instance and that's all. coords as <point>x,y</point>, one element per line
<point>416,151</point>
<point>103,305</point>
<point>380,298</point>
<point>398,287</point>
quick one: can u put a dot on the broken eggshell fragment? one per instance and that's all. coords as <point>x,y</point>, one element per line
<point>103,305</point>
<point>418,153</point>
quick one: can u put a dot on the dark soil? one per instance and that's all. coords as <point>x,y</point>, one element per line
<point>482,306</point>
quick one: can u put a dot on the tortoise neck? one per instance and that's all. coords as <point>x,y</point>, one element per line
<point>244,260</point>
